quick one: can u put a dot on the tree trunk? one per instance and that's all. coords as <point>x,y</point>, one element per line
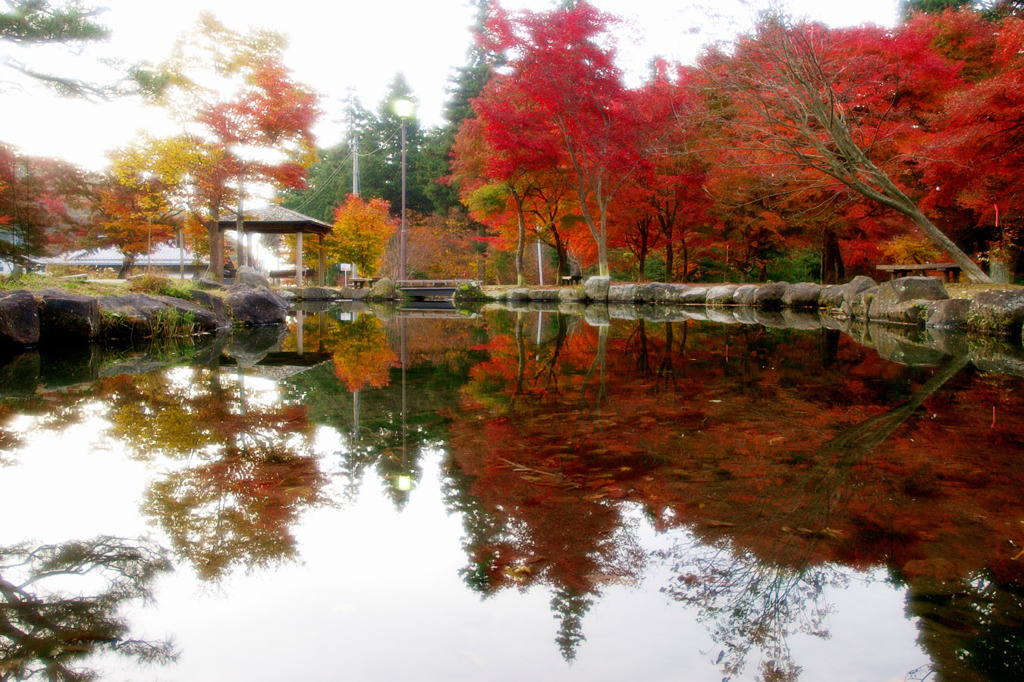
<point>126,267</point>
<point>833,271</point>
<point>481,258</point>
<point>520,240</point>
<point>969,267</point>
<point>669,261</point>
<point>216,251</point>
<point>563,256</point>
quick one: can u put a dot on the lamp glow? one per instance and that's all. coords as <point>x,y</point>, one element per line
<point>403,108</point>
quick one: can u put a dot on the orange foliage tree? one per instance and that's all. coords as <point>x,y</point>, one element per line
<point>361,233</point>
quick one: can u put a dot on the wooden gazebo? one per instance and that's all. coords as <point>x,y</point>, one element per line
<point>279,220</point>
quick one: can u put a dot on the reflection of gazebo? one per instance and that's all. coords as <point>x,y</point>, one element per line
<point>280,220</point>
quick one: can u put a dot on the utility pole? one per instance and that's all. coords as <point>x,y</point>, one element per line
<point>401,271</point>
<point>355,164</point>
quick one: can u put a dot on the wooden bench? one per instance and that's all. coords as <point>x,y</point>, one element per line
<point>571,280</point>
<point>363,282</point>
<point>949,272</point>
<point>422,289</point>
<point>285,273</point>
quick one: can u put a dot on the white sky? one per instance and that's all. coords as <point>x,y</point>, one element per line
<point>360,45</point>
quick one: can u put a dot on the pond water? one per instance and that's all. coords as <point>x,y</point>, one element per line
<point>513,495</point>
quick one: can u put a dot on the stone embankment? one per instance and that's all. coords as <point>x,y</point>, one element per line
<point>922,302</point>
<point>53,316</point>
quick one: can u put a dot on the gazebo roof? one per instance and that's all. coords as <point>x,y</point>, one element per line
<point>277,220</point>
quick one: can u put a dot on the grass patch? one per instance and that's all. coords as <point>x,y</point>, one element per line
<point>971,289</point>
<point>35,281</point>
<point>173,323</point>
<point>169,323</point>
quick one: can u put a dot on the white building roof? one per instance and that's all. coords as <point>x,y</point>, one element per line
<point>163,256</point>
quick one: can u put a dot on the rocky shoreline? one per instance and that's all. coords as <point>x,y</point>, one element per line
<point>922,302</point>
<point>53,316</point>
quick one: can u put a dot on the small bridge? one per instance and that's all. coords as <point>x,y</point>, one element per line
<point>424,289</point>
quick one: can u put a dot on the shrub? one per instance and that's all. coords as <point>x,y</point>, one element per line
<point>802,265</point>
<point>159,285</point>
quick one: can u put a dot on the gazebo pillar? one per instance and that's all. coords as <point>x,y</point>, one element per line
<point>298,258</point>
<point>323,262</point>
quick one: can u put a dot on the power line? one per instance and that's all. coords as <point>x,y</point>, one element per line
<point>315,193</point>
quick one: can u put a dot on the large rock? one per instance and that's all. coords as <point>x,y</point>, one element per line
<point>859,305</point>
<point>769,296</point>
<point>905,300</point>
<point>209,284</point>
<point>519,294</point>
<point>251,277</point>
<point>854,291</point>
<point>204,320</point>
<point>19,319</point>
<point>694,295</point>
<point>596,288</point>
<point>316,294</point>
<point>623,293</point>
<point>720,295</point>
<point>129,315</point>
<point>997,312</point>
<point>468,293</point>
<point>256,306</point>
<point>831,297</point>
<point>572,295</point>
<point>138,314</point>
<point>654,292</point>
<point>673,293</point>
<point>544,295</point>
<point>948,314</point>
<point>802,295</point>
<point>744,295</point>
<point>215,304</point>
<point>64,316</point>
<point>384,289</point>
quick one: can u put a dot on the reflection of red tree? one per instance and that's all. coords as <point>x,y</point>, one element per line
<point>757,444</point>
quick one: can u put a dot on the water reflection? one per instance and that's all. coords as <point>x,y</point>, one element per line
<point>768,446</point>
<point>63,604</point>
<point>788,463</point>
<point>238,468</point>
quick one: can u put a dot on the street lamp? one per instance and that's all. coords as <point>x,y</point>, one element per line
<point>403,108</point>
